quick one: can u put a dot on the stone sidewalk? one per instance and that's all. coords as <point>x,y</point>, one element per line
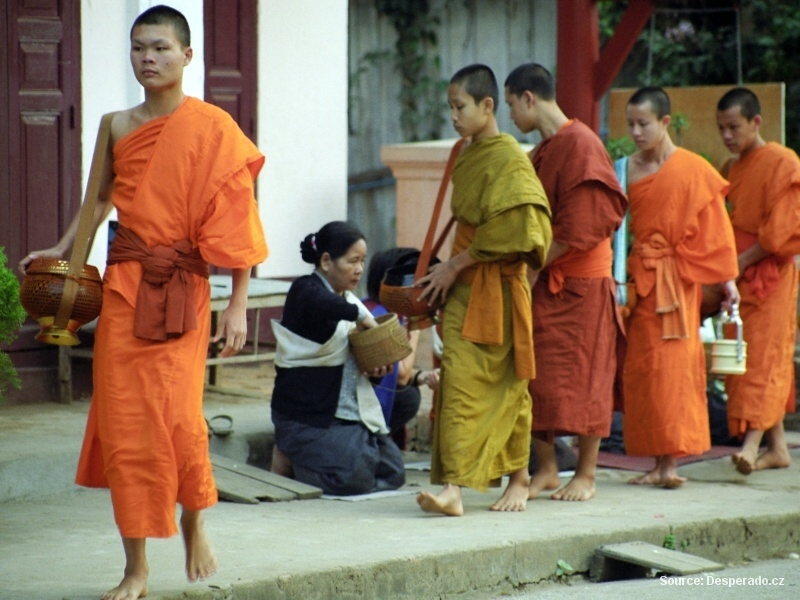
<point>59,541</point>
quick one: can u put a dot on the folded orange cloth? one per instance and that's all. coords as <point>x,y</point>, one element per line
<point>165,301</point>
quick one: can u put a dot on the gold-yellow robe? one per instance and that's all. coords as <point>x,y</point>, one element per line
<point>483,419</point>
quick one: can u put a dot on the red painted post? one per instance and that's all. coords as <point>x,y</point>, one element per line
<point>578,52</point>
<point>582,74</point>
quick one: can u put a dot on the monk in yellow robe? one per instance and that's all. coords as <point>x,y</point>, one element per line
<point>765,213</point>
<point>183,176</point>
<point>576,324</point>
<point>683,240</point>
<point>483,416</point>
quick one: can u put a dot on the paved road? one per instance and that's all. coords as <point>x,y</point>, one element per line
<point>772,580</point>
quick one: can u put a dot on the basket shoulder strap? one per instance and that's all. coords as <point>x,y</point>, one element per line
<point>85,235</point>
<point>427,248</point>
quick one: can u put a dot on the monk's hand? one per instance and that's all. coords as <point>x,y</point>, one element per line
<point>431,379</point>
<point>731,295</point>
<point>53,252</point>
<point>437,282</point>
<point>233,327</point>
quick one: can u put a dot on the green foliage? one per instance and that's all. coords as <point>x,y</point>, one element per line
<point>563,570</point>
<point>679,124</point>
<point>619,147</point>
<point>422,88</point>
<point>696,47</point>
<point>771,52</point>
<point>669,540</point>
<point>11,317</point>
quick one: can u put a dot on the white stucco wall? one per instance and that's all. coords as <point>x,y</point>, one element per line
<point>302,116</point>
<point>302,108</point>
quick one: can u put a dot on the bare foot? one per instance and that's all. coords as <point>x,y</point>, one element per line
<point>543,481</point>
<point>744,462</point>
<point>579,488</point>
<point>672,482</point>
<point>131,587</point>
<point>777,458</point>
<point>200,559</point>
<point>651,477</point>
<point>448,502</point>
<point>515,496</point>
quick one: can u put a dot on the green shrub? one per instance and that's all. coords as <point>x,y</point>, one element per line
<point>11,317</point>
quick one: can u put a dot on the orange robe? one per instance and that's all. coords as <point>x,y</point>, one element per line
<point>765,199</point>
<point>185,176</point>
<point>683,239</point>
<point>576,325</point>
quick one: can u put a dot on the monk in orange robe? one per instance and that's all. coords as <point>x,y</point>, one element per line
<point>765,201</point>
<point>575,321</point>
<point>683,240</point>
<point>183,175</point>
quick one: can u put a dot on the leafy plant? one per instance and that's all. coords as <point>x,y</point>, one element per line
<point>669,540</point>
<point>422,88</point>
<point>679,123</point>
<point>620,147</point>
<point>563,570</point>
<point>688,45</point>
<point>11,317</point>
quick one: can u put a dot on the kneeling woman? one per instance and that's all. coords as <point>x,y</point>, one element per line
<point>329,428</point>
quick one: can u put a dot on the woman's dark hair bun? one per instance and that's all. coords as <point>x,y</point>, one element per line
<point>335,238</point>
<point>308,249</point>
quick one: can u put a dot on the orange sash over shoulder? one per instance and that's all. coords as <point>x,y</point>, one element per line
<point>483,323</point>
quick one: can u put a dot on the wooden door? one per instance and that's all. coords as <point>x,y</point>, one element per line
<point>39,122</point>
<point>230,48</point>
<point>40,153</point>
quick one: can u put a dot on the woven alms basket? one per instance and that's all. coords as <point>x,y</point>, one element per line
<point>380,346</point>
<point>41,292</point>
<point>398,295</point>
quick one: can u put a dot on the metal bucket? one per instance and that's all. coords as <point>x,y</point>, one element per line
<point>729,357</point>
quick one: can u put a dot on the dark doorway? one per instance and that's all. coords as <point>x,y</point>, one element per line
<point>230,48</point>
<point>40,110</point>
<point>40,150</point>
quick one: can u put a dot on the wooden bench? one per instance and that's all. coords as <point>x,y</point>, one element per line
<point>261,294</point>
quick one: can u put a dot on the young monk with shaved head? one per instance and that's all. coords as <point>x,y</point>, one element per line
<point>682,240</point>
<point>483,417</point>
<point>765,201</point>
<point>575,322</point>
<point>181,178</point>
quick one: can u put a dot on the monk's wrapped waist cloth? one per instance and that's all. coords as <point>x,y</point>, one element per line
<point>484,319</point>
<point>165,300</point>
<point>658,255</point>
<point>594,264</point>
<point>763,276</point>
<point>504,222</point>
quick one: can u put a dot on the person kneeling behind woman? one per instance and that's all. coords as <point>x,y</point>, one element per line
<point>329,428</point>
<point>399,391</point>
